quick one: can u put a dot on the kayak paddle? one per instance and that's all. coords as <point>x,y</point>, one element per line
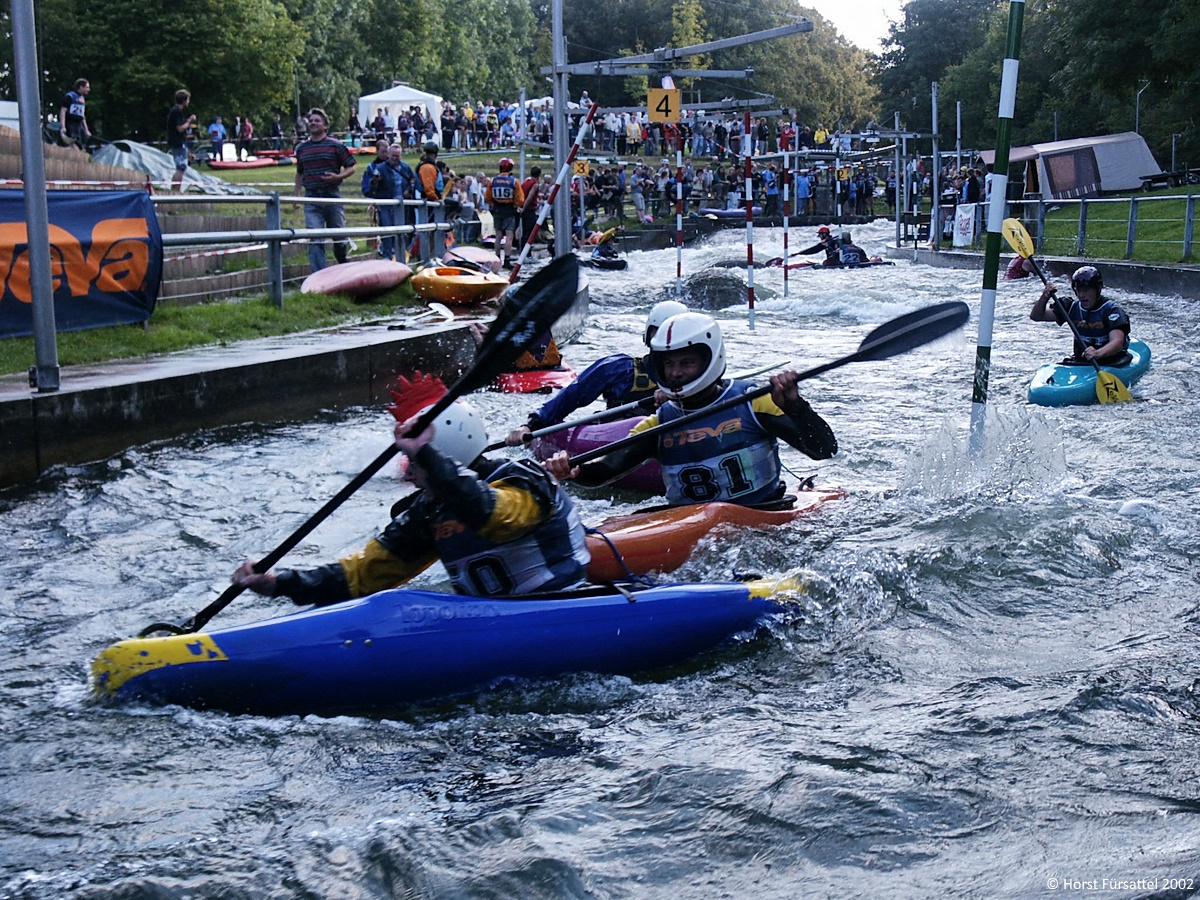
<point>1109,388</point>
<point>528,311</point>
<point>901,334</point>
<point>645,405</point>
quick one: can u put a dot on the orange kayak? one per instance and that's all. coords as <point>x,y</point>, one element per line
<point>457,286</point>
<point>661,540</point>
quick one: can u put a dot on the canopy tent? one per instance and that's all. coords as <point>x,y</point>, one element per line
<point>1082,167</point>
<point>398,99</point>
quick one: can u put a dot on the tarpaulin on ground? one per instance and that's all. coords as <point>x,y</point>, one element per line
<point>105,260</point>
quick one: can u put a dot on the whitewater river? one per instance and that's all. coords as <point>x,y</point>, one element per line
<point>991,689</point>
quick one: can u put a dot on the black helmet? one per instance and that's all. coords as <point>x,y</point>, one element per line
<point>1087,276</point>
<point>430,147</point>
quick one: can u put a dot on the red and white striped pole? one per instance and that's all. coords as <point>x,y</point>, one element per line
<point>747,148</point>
<point>678,222</point>
<point>558,182</point>
<point>787,208</point>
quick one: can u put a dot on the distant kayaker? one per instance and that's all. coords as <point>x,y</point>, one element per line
<point>731,454</point>
<point>825,242</point>
<point>619,379</point>
<point>500,528</point>
<point>1103,325</point>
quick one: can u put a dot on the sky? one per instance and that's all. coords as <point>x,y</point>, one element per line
<point>861,22</point>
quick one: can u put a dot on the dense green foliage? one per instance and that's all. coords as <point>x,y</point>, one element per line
<point>1087,66</point>
<point>1082,64</point>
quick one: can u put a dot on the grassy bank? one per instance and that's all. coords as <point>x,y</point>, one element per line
<point>174,327</point>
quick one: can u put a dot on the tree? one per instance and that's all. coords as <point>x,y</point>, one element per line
<point>234,56</point>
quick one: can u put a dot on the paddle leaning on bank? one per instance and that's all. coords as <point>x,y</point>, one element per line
<point>528,311</point>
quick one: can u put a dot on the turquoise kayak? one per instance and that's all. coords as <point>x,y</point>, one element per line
<point>400,646</point>
<point>1055,384</point>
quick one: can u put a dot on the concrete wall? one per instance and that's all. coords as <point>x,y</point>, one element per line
<point>107,409</point>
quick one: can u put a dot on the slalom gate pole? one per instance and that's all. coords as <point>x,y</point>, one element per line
<point>748,149</point>
<point>549,204</point>
<point>787,208</point>
<point>678,222</point>
<point>998,189</point>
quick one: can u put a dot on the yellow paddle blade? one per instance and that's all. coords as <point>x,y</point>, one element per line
<point>1111,389</point>
<point>1018,238</point>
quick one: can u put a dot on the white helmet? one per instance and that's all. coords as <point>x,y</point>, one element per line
<point>659,314</point>
<point>458,432</point>
<point>688,329</point>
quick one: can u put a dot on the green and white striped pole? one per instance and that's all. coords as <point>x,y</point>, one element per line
<point>998,182</point>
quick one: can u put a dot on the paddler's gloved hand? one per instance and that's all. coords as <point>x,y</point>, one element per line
<point>518,437</point>
<point>786,394</point>
<point>260,582</point>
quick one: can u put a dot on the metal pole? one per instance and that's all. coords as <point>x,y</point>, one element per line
<point>935,194</point>
<point>996,208</point>
<point>786,174</point>
<point>896,199</point>
<point>678,223</point>
<point>957,135</point>
<point>748,149</point>
<point>275,252</point>
<point>562,206</point>
<point>522,122</point>
<point>44,375</point>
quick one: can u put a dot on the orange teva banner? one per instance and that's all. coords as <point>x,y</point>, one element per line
<point>105,260</point>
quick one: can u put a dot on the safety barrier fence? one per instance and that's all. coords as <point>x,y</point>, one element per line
<point>428,224</point>
<point>1150,228</point>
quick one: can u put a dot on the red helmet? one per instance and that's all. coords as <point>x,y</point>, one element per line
<point>506,164</point>
<point>823,230</point>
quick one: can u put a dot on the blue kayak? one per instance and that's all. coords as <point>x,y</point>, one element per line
<point>1056,384</point>
<point>401,646</point>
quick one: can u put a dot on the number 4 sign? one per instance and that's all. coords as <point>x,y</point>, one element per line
<point>664,105</point>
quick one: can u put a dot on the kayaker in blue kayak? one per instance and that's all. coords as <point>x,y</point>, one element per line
<point>1102,324</point>
<point>500,528</point>
<point>619,378</point>
<point>731,455</point>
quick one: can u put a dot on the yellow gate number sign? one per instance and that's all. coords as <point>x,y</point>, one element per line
<point>664,104</point>
<point>581,167</point>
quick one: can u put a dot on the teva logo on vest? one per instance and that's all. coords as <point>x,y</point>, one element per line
<point>694,435</point>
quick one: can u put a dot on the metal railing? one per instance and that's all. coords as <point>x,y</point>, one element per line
<point>430,226</point>
<point>1150,228</point>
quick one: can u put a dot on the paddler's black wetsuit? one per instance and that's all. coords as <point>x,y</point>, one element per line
<point>514,533</point>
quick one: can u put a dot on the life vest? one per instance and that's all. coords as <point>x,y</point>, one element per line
<point>504,189</point>
<point>726,455</point>
<point>553,554</point>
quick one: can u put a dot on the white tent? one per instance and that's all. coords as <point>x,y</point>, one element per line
<point>398,99</point>
<point>1082,167</point>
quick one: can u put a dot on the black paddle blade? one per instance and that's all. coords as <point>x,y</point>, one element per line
<point>527,313</point>
<point>912,330</point>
